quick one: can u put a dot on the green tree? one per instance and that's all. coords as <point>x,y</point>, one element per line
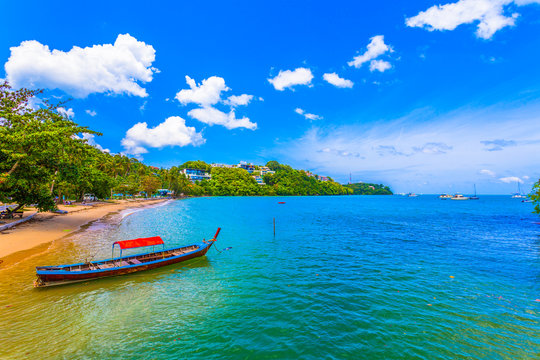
<point>275,166</point>
<point>198,164</point>
<point>535,197</point>
<point>34,145</point>
<point>369,189</point>
<point>150,184</point>
<point>232,182</point>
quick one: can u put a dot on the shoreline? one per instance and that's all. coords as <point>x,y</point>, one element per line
<point>45,228</point>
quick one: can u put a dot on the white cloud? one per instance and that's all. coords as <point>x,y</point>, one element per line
<point>341,153</point>
<point>90,139</point>
<point>307,115</point>
<point>379,65</point>
<point>433,148</point>
<point>497,144</point>
<point>487,172</point>
<point>511,179</point>
<point>69,113</point>
<point>109,68</point>
<point>204,94</point>
<point>490,15</point>
<point>92,113</point>
<point>172,132</point>
<point>238,100</point>
<point>207,95</point>
<point>375,48</point>
<point>143,106</point>
<point>334,79</point>
<point>213,116</point>
<point>289,79</point>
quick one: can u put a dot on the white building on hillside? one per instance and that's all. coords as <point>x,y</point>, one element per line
<point>196,174</point>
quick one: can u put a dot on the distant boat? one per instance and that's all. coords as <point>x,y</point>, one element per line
<point>459,197</point>
<point>412,195</point>
<point>445,196</point>
<point>474,197</point>
<point>65,274</point>
<point>518,195</point>
<point>526,201</point>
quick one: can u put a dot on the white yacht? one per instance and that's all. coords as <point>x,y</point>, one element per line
<point>518,195</point>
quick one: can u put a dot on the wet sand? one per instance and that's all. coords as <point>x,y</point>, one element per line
<point>47,227</point>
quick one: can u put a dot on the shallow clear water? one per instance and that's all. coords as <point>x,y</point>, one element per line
<point>344,277</point>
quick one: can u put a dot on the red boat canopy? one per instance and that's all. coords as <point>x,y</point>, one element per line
<point>135,243</point>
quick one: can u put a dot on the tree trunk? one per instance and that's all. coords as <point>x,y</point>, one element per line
<point>52,185</point>
<point>13,168</point>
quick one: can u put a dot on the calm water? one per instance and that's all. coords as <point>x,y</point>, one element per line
<point>344,277</point>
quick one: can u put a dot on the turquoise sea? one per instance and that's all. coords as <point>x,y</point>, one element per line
<point>356,277</point>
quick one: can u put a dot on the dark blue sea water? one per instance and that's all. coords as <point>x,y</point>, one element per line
<point>357,277</point>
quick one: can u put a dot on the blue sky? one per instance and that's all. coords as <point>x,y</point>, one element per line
<point>422,97</point>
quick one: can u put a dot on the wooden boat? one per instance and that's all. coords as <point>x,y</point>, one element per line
<point>65,274</point>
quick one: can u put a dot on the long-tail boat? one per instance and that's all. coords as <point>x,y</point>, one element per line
<point>65,274</point>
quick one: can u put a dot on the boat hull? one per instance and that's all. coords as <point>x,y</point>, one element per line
<point>60,277</point>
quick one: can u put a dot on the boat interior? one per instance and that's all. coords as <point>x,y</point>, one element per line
<point>124,261</point>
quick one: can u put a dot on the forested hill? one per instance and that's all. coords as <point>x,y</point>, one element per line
<point>369,189</point>
<point>285,181</point>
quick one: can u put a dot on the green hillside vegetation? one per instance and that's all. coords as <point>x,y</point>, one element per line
<point>369,189</point>
<point>198,164</point>
<point>286,181</point>
<point>535,196</point>
<point>232,182</point>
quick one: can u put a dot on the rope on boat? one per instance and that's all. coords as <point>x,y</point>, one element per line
<point>86,261</point>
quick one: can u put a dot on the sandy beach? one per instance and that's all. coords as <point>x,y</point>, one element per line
<point>47,227</point>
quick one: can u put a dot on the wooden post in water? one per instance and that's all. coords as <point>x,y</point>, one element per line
<point>274,227</point>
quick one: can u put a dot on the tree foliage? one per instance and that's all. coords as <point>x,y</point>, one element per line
<point>288,181</point>
<point>150,184</point>
<point>35,145</point>
<point>535,197</point>
<point>275,166</point>
<point>197,164</point>
<point>369,189</point>
<point>232,182</point>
